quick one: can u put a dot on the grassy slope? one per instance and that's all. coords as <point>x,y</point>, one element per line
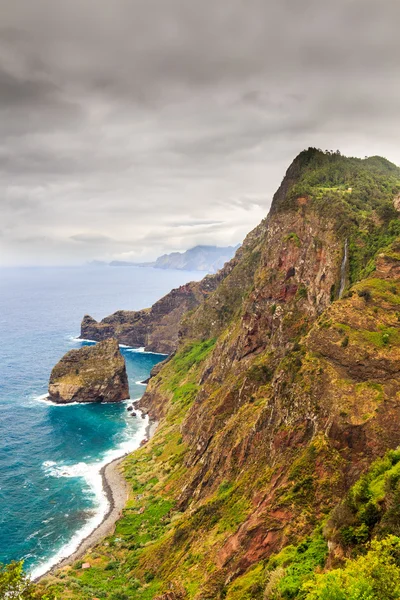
<point>166,543</point>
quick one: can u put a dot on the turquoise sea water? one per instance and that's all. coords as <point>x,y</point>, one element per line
<point>50,456</point>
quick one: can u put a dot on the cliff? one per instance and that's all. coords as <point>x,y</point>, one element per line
<point>157,329</point>
<point>281,394</point>
<point>90,374</point>
<point>200,258</point>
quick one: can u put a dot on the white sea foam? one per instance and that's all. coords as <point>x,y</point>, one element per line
<point>46,400</point>
<point>143,351</point>
<point>92,474</point>
<point>48,463</point>
<point>75,339</point>
<point>140,383</point>
<point>41,398</point>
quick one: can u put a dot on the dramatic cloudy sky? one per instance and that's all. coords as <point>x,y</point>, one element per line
<point>133,127</point>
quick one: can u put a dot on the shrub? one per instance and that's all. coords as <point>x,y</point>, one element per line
<point>375,576</point>
<point>366,294</point>
<point>295,565</point>
<point>345,342</point>
<point>260,374</point>
<point>301,292</point>
<point>14,584</point>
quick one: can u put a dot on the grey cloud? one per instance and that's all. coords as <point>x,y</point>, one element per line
<point>197,223</point>
<point>90,238</point>
<point>158,124</point>
<point>16,92</point>
<point>34,239</point>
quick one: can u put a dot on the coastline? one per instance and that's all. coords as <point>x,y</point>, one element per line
<point>116,489</point>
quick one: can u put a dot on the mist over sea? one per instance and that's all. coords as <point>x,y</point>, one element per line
<point>50,456</point>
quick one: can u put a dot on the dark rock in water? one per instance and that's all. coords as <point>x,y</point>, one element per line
<point>129,408</point>
<point>90,374</point>
<point>133,414</point>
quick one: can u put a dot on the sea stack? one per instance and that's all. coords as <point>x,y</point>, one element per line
<point>90,374</point>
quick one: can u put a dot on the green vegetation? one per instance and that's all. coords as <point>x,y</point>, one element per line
<point>375,576</point>
<point>15,585</point>
<point>293,237</point>
<point>372,506</point>
<point>296,565</point>
<point>296,574</point>
<point>193,354</point>
<point>358,194</point>
<point>283,576</point>
<point>301,292</point>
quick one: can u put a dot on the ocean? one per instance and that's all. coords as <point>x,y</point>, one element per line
<point>50,456</point>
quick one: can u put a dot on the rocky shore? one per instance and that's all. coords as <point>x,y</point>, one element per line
<point>117,492</point>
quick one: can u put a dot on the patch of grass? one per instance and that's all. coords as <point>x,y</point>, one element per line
<point>191,355</point>
<point>249,586</point>
<point>381,338</point>
<point>294,238</point>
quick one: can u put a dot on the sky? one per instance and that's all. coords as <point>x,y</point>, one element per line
<point>130,128</point>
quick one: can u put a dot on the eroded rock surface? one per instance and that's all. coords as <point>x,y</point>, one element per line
<point>90,374</point>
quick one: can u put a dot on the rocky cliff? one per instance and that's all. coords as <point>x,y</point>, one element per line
<point>157,329</point>
<point>90,374</point>
<point>200,258</point>
<point>283,390</point>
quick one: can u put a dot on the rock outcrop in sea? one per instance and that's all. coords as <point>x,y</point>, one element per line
<point>90,374</point>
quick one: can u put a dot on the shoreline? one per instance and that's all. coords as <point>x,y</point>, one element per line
<point>116,489</point>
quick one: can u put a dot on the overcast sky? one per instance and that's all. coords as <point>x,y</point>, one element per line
<point>133,127</point>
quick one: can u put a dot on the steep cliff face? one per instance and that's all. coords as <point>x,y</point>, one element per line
<point>90,374</point>
<point>279,396</point>
<point>156,328</point>
<point>159,328</point>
